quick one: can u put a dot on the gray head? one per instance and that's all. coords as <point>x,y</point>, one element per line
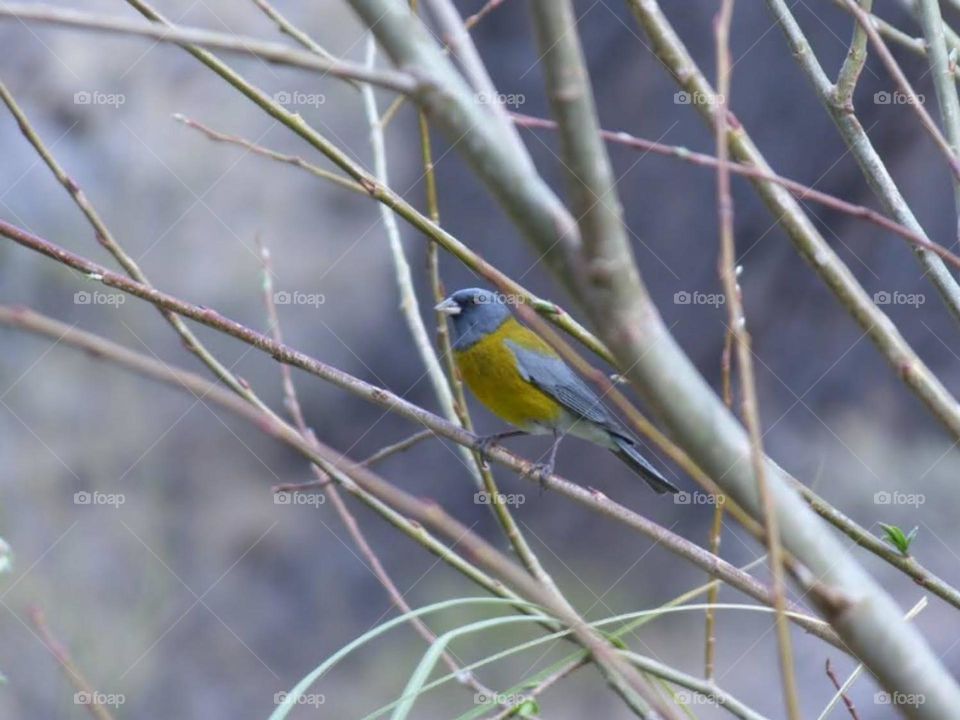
<point>475,313</point>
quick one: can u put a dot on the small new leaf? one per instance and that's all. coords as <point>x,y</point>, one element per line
<point>527,709</point>
<point>898,538</point>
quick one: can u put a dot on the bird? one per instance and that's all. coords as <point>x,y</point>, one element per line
<point>523,381</point>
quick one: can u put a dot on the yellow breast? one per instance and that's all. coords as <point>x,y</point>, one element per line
<point>489,369</point>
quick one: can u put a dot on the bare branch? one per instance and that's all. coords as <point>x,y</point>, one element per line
<point>737,323</point>
<point>265,50</point>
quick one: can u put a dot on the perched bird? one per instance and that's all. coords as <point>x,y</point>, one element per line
<point>521,380</point>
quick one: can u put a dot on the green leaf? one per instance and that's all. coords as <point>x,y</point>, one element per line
<point>527,709</point>
<point>899,539</point>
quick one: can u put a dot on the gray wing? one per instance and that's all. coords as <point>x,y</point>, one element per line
<point>553,376</point>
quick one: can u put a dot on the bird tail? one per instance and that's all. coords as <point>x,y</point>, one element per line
<point>626,449</point>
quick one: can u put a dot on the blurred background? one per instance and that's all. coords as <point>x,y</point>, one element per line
<point>198,596</point>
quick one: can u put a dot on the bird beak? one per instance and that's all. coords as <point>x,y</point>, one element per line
<point>448,307</point>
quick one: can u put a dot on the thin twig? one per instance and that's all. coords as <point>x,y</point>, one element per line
<point>710,631</point>
<point>265,50</point>
<point>456,38</point>
<point>294,160</point>
<point>909,367</point>
<point>943,82</point>
<point>853,63</point>
<point>409,305</point>
<point>480,14</point>
<point>397,447</point>
<point>858,670</point>
<point>577,660</point>
<point>110,243</point>
<point>292,402</point>
<point>592,499</point>
<point>98,347</point>
<point>901,80</point>
<point>871,165</point>
<point>431,515</point>
<point>798,189</point>
<point>907,565</point>
<point>85,693</point>
<point>386,195</point>
<point>716,528</point>
<point>469,23</point>
<point>288,28</point>
<point>846,700</point>
<point>703,688</point>
<point>737,324</point>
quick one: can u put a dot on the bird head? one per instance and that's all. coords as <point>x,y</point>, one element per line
<point>475,313</point>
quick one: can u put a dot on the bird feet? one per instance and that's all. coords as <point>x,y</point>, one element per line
<point>483,445</point>
<point>540,472</point>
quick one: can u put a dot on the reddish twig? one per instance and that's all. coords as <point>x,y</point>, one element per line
<point>846,700</point>
<point>84,692</point>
